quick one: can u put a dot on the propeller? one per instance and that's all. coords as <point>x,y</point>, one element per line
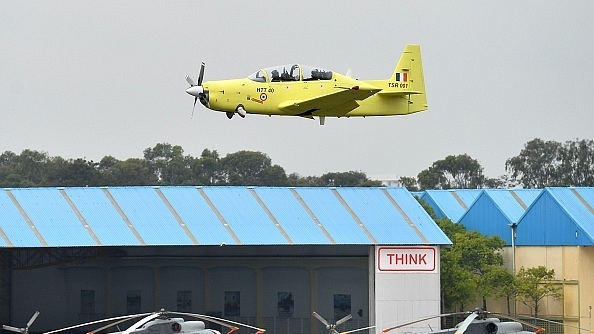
<point>332,327</point>
<point>24,330</point>
<point>196,89</point>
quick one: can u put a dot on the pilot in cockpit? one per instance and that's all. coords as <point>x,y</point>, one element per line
<point>286,76</point>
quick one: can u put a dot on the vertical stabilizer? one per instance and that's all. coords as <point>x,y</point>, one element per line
<point>407,82</point>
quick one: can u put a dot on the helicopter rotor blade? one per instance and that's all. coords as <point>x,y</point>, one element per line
<point>343,320</point>
<point>126,317</point>
<point>35,315</point>
<point>421,320</point>
<point>24,330</point>
<point>142,322</point>
<point>357,330</point>
<point>322,320</point>
<point>108,326</point>
<point>466,323</point>
<point>13,329</point>
<point>220,321</point>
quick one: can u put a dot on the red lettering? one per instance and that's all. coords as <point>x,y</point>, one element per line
<point>396,259</point>
<point>422,258</point>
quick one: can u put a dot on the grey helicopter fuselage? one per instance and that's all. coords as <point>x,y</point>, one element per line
<point>173,326</point>
<point>488,326</point>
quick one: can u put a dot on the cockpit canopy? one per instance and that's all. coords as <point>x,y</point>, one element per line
<point>294,72</point>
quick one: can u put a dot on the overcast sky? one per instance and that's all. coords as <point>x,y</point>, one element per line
<point>87,79</point>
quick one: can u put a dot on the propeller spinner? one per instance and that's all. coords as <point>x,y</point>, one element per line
<point>196,88</point>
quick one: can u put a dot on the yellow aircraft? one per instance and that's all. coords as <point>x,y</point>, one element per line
<point>308,91</point>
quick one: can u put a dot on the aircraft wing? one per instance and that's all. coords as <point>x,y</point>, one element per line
<point>337,103</point>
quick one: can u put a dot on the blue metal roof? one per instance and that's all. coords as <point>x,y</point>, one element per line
<point>495,209</point>
<point>559,217</point>
<point>451,203</point>
<point>137,216</point>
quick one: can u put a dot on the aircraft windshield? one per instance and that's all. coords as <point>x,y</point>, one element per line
<point>293,72</point>
<point>259,76</point>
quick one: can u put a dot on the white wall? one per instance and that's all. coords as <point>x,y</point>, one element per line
<point>406,295</point>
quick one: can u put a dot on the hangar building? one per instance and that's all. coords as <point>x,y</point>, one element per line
<point>551,227</point>
<point>267,256</point>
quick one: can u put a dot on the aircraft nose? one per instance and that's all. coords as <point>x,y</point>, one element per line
<point>195,91</point>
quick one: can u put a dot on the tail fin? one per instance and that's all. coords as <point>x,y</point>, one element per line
<point>408,80</point>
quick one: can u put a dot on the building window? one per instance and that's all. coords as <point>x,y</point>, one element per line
<point>184,301</point>
<point>285,304</point>
<point>342,306</point>
<point>232,303</point>
<point>87,301</point>
<point>133,301</point>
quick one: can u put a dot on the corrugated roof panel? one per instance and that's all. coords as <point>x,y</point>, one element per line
<point>291,215</point>
<point>195,212</point>
<point>450,203</point>
<point>244,215</point>
<point>332,215</point>
<point>587,194</point>
<point>486,215</point>
<point>102,216</point>
<point>587,199</point>
<point>14,225</point>
<point>52,217</point>
<point>577,206</point>
<point>468,196</point>
<point>379,216</point>
<point>149,215</point>
<point>526,195</point>
<point>552,220</point>
<point>507,201</point>
<point>419,216</point>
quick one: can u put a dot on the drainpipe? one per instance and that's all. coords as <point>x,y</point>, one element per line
<point>513,244</point>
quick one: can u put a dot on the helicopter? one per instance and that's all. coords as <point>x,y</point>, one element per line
<point>477,322</point>
<point>161,322</point>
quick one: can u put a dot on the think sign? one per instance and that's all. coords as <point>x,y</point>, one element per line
<point>406,259</point>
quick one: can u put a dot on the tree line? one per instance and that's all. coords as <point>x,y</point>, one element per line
<point>163,164</point>
<point>539,164</point>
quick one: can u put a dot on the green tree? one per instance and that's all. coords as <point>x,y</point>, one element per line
<point>453,172</point>
<point>130,172</point>
<point>534,284</point>
<point>347,179</point>
<point>245,168</point>
<point>274,176</point>
<point>71,173</point>
<point>458,284</point>
<point>296,180</point>
<point>577,164</point>
<point>30,165</point>
<point>550,163</point>
<point>537,164</point>
<point>471,268</point>
<point>207,169</point>
<point>410,183</point>
<point>168,163</point>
